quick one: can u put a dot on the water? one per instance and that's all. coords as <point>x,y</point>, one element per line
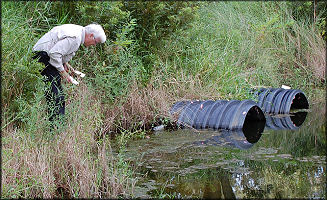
<point>286,160</point>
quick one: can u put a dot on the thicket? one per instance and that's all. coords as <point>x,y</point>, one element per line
<point>157,53</point>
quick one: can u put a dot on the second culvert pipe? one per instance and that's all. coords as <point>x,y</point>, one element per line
<point>281,101</point>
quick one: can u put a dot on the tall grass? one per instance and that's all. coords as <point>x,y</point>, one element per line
<point>235,46</point>
<point>18,75</point>
<point>72,163</point>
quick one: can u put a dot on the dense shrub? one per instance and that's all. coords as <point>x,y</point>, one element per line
<point>108,14</point>
<point>157,19</point>
<point>154,19</point>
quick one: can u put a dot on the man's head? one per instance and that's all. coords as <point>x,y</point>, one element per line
<point>94,34</point>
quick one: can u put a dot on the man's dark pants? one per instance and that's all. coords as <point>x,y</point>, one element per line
<point>54,95</point>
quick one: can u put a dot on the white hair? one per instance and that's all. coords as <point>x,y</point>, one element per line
<point>97,31</point>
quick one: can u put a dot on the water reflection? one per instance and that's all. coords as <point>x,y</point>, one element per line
<point>214,183</point>
<point>218,187</point>
<point>291,121</point>
<point>236,139</point>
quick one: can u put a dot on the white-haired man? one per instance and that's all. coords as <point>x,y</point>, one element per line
<point>55,49</point>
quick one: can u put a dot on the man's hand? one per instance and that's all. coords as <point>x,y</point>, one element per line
<point>68,78</point>
<point>65,76</point>
<point>66,68</point>
<point>69,68</point>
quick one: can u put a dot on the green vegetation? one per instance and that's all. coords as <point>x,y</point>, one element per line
<point>156,53</point>
<point>233,47</point>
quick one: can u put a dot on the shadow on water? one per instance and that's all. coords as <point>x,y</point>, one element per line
<point>281,158</point>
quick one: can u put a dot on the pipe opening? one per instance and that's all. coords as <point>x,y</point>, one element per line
<point>300,102</point>
<point>254,124</point>
<point>255,114</point>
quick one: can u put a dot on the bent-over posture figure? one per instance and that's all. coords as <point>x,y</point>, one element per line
<point>55,49</point>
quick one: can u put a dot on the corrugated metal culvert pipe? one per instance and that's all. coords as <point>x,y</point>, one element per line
<point>281,101</point>
<point>220,114</point>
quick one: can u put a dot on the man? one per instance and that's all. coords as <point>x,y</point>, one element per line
<point>55,49</point>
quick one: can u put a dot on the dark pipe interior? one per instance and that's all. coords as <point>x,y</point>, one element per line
<point>254,124</point>
<point>298,118</point>
<point>300,102</point>
<point>255,114</point>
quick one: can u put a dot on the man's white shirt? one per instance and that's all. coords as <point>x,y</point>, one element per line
<point>61,43</point>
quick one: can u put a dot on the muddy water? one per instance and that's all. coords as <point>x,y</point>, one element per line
<point>286,160</point>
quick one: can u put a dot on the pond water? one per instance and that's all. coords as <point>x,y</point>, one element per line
<point>286,160</point>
